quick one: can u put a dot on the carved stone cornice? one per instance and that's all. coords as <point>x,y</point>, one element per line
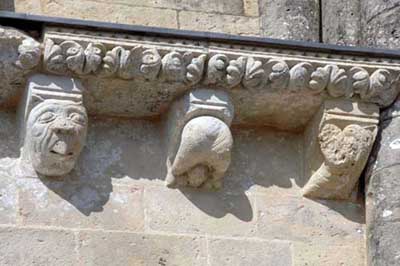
<point>247,68</point>
<point>138,76</point>
<point>199,83</point>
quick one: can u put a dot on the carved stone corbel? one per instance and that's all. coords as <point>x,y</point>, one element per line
<point>53,124</point>
<point>199,139</point>
<point>337,144</point>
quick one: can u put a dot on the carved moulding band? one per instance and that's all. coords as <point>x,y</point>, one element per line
<point>199,139</point>
<point>159,60</point>
<point>53,124</point>
<point>338,142</point>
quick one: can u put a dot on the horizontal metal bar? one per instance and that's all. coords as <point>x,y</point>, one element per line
<point>33,22</point>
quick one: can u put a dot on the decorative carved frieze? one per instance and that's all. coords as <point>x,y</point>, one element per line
<point>199,139</point>
<point>53,124</point>
<point>338,143</point>
<point>222,68</point>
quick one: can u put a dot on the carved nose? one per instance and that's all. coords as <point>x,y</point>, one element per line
<point>63,126</point>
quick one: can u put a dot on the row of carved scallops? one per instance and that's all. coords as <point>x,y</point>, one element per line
<point>148,64</point>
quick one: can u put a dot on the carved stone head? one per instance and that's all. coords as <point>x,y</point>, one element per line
<point>54,124</point>
<point>56,132</point>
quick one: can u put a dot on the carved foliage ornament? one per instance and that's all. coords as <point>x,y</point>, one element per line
<point>220,70</point>
<point>29,54</point>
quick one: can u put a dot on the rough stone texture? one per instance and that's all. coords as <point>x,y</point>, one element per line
<point>105,11</point>
<point>383,200</point>
<point>116,202</point>
<point>338,142</point>
<point>308,221</point>
<point>113,208</point>
<point>288,19</point>
<point>12,72</point>
<point>25,247</point>
<point>341,22</point>
<point>329,255</point>
<point>219,213</point>
<point>238,25</point>
<point>238,252</point>
<point>79,205</point>
<point>227,16</point>
<point>140,249</point>
<point>380,23</point>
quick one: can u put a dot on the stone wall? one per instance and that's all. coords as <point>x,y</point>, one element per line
<point>114,208</point>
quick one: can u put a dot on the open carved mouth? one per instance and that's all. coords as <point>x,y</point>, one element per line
<point>69,154</point>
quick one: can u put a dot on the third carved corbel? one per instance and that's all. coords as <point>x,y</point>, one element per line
<point>199,139</point>
<point>337,145</point>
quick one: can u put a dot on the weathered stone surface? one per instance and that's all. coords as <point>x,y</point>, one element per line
<point>107,11</point>
<point>249,252</point>
<point>25,247</point>
<point>80,205</point>
<point>383,214</point>
<point>231,24</point>
<point>19,55</point>
<point>382,197</point>
<point>380,23</point>
<point>290,20</point>
<point>140,249</point>
<point>265,161</point>
<point>348,254</point>
<point>8,199</point>
<point>199,139</point>
<point>233,7</point>
<point>251,8</point>
<point>53,125</point>
<point>338,142</point>
<point>308,221</point>
<point>220,214</point>
<point>341,22</point>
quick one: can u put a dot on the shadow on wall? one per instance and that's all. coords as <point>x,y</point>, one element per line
<point>126,152</point>
<point>7,5</point>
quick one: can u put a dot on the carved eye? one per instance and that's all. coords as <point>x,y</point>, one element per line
<point>47,117</point>
<point>77,118</point>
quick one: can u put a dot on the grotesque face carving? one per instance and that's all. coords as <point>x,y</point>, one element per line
<point>55,135</point>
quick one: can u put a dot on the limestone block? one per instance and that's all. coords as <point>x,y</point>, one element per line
<point>288,19</point>
<point>341,22</point>
<point>8,197</point>
<point>77,204</point>
<point>53,124</point>
<point>37,247</point>
<point>383,214</point>
<point>382,197</point>
<point>338,143</point>
<point>199,139</point>
<point>347,254</point>
<point>380,23</point>
<point>231,7</point>
<point>311,222</point>
<point>249,252</point>
<point>110,12</point>
<point>231,24</point>
<point>251,8</point>
<point>194,212</point>
<point>140,249</point>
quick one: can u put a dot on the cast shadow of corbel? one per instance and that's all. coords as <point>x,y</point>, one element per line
<point>86,197</point>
